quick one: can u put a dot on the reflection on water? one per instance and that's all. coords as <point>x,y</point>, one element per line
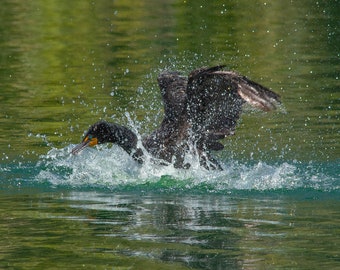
<point>160,232</point>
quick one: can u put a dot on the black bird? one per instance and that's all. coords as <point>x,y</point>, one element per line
<point>199,110</point>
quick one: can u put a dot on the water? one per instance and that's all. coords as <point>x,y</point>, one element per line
<point>65,65</point>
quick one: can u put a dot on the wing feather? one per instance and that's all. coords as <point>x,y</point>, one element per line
<point>215,98</point>
<point>173,90</point>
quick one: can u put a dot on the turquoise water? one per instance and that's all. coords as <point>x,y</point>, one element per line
<point>64,65</point>
<point>252,216</point>
<point>113,169</point>
<point>101,210</point>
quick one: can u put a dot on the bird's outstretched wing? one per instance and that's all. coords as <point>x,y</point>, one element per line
<point>167,141</point>
<point>173,89</point>
<point>214,103</point>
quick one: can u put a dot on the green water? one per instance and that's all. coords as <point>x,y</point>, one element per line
<point>74,229</point>
<point>66,64</point>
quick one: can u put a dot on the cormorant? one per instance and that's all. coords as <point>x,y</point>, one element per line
<point>199,110</point>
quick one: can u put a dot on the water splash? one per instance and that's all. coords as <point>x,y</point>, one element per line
<point>111,167</point>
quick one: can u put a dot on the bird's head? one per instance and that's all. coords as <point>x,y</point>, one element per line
<point>98,133</point>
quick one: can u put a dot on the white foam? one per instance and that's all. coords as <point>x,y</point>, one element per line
<point>111,166</point>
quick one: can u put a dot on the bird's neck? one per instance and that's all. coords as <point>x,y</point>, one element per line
<point>123,137</point>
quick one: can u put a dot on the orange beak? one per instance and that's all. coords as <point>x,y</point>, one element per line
<point>87,141</point>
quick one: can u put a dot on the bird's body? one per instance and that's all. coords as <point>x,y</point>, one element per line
<point>199,110</point>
